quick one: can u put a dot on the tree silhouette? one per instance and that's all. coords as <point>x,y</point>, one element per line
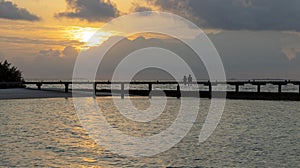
<point>9,73</point>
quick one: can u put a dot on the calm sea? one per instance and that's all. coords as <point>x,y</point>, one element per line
<point>47,132</point>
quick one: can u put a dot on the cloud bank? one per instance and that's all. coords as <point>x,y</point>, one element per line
<point>49,64</point>
<point>237,14</point>
<point>245,55</point>
<point>138,8</point>
<point>90,10</point>
<point>216,14</point>
<point>8,10</point>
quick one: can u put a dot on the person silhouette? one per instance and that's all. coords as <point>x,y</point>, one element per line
<point>184,80</point>
<point>190,79</point>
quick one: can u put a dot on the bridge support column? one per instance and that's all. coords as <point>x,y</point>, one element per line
<point>39,85</point>
<point>95,88</point>
<point>150,89</point>
<point>178,93</point>
<point>66,87</point>
<point>122,90</point>
<point>237,88</point>
<point>258,88</point>
<point>209,90</point>
<point>279,88</point>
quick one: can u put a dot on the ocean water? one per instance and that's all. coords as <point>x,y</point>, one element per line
<point>48,133</point>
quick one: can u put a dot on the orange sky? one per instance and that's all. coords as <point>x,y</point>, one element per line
<point>22,42</point>
<point>47,9</point>
<point>50,28</point>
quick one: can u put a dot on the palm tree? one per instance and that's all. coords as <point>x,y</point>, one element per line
<point>9,73</point>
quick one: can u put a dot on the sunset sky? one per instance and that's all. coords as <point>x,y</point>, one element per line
<point>255,38</point>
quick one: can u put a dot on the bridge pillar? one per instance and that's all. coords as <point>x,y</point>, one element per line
<point>178,93</point>
<point>279,88</point>
<point>209,90</point>
<point>237,87</point>
<point>122,90</point>
<point>95,88</point>
<point>258,88</point>
<point>150,89</point>
<point>39,85</point>
<point>66,87</point>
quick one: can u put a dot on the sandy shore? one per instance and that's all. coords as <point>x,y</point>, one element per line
<point>23,93</point>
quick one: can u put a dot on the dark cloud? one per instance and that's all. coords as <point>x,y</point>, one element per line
<point>68,51</point>
<point>50,64</point>
<point>245,54</point>
<point>141,9</point>
<point>49,53</point>
<point>90,10</point>
<point>8,10</point>
<point>258,54</point>
<point>238,14</point>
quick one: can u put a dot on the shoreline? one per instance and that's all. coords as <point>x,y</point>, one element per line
<point>27,93</point>
<point>30,93</point>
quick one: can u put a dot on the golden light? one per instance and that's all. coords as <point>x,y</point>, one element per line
<point>88,35</point>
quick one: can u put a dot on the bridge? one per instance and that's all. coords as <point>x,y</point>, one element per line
<point>236,94</point>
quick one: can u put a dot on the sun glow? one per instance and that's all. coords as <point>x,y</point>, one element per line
<point>89,36</point>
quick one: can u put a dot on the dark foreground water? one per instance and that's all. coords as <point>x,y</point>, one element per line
<point>47,132</point>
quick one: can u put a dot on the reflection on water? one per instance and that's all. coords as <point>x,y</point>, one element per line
<point>47,132</point>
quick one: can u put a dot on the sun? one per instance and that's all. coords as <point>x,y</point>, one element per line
<point>85,34</point>
<point>88,35</point>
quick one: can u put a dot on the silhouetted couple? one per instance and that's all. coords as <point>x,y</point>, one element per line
<point>187,80</point>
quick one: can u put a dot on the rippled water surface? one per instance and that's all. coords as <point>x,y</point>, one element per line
<point>47,132</point>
